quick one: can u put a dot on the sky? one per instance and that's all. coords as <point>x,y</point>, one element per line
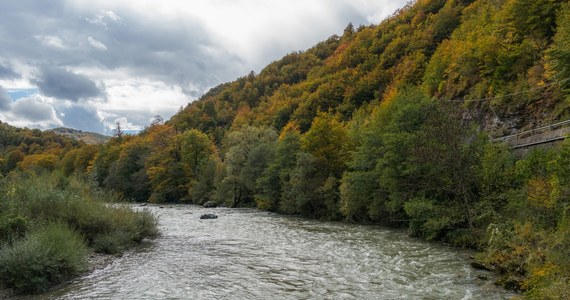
<point>88,64</point>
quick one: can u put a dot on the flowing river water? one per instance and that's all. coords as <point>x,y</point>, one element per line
<point>249,254</point>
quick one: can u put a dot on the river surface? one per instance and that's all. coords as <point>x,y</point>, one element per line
<point>248,254</point>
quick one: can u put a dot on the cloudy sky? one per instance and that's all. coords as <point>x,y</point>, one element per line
<point>86,64</point>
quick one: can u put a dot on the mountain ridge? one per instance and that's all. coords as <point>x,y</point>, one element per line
<point>90,138</point>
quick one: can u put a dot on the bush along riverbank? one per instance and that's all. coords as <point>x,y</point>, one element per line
<point>49,224</point>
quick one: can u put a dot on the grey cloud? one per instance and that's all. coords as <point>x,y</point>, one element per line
<point>62,84</point>
<point>179,51</point>
<point>81,117</point>
<point>32,110</point>
<point>6,72</point>
<point>5,101</point>
<point>173,51</point>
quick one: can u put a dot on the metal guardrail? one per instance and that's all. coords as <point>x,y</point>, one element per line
<point>534,131</point>
<point>546,141</point>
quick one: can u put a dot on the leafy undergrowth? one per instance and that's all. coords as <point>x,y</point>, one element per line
<point>49,223</point>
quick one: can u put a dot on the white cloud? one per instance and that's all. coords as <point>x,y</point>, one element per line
<point>51,41</point>
<point>96,44</point>
<point>34,111</point>
<point>103,18</point>
<point>138,100</point>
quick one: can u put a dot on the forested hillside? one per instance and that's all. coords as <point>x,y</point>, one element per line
<point>26,149</point>
<point>387,124</point>
<point>506,61</point>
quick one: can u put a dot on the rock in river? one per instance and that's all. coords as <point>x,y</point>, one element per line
<point>208,216</point>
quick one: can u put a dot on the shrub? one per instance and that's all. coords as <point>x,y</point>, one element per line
<point>126,228</point>
<point>46,256</point>
<point>114,242</point>
<point>12,227</point>
<point>35,256</point>
<point>147,225</point>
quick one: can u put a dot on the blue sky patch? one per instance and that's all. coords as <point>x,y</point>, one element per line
<point>16,94</point>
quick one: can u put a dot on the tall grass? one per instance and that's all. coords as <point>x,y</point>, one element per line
<point>38,209</point>
<point>48,255</point>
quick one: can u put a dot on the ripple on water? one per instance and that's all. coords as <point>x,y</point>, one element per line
<point>251,254</point>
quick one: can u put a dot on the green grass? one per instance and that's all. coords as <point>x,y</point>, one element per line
<point>48,255</point>
<point>48,220</point>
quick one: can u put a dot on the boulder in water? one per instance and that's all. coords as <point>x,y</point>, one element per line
<point>208,216</point>
<point>210,204</point>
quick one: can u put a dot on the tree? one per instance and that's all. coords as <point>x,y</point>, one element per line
<point>67,163</point>
<point>196,148</point>
<point>441,176</point>
<point>157,120</point>
<point>559,52</point>
<point>42,161</point>
<point>327,140</point>
<point>12,160</point>
<point>302,197</point>
<point>202,189</point>
<point>369,188</point>
<point>103,160</point>
<point>199,161</point>
<point>163,166</point>
<point>127,174</point>
<point>272,184</point>
<point>118,131</point>
<point>239,146</point>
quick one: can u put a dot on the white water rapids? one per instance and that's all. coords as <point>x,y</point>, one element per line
<point>249,254</point>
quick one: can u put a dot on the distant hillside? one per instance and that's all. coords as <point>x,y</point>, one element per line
<point>89,138</point>
<point>505,61</point>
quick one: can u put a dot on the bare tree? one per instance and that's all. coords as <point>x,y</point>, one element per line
<point>157,120</point>
<point>118,132</point>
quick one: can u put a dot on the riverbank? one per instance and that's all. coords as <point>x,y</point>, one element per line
<point>49,225</point>
<point>96,261</point>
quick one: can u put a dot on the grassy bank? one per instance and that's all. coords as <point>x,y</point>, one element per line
<point>49,224</point>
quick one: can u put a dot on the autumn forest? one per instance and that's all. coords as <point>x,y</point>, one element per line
<point>390,124</point>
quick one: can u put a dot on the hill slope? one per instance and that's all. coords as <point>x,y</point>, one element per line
<point>502,60</point>
<point>89,138</point>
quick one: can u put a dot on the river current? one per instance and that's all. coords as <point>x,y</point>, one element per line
<point>249,254</point>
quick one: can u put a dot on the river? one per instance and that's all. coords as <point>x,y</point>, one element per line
<point>249,254</point>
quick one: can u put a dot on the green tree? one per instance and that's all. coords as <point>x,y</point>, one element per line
<point>199,161</point>
<point>196,148</point>
<point>371,186</point>
<point>239,145</point>
<point>12,160</point>
<point>327,140</point>
<point>103,160</point>
<point>127,174</point>
<point>202,188</point>
<point>301,197</point>
<point>559,52</point>
<point>273,183</point>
